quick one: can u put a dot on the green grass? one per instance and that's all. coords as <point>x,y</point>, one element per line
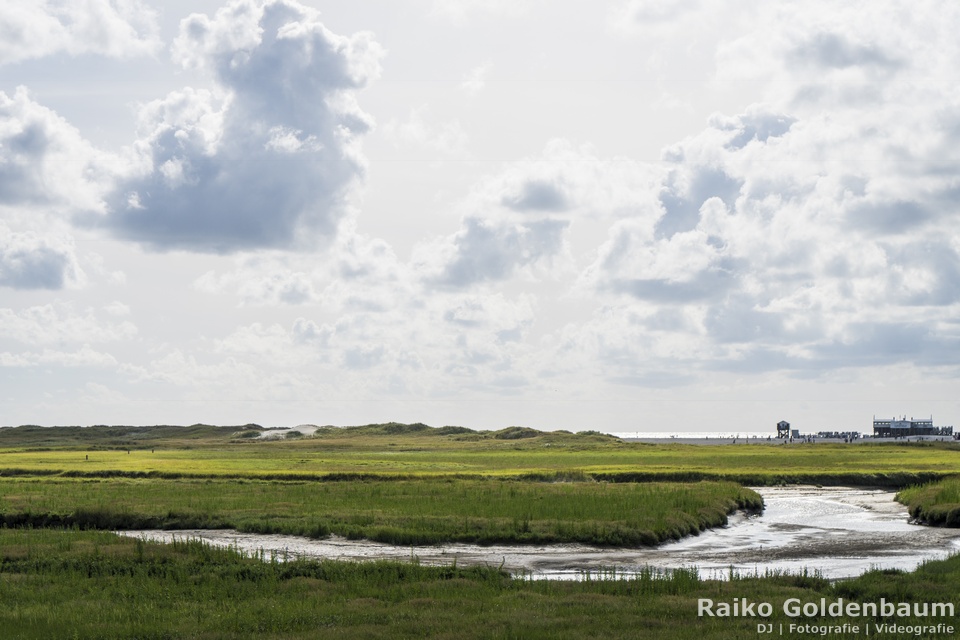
<point>417,451</point>
<point>401,512</point>
<point>937,503</point>
<point>75,584</point>
<point>405,484</point>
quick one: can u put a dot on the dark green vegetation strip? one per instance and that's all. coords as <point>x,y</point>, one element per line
<point>75,584</point>
<point>399,512</point>
<point>895,480</point>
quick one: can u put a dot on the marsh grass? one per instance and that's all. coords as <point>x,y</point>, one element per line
<point>936,503</point>
<point>398,512</point>
<point>62,578</point>
<point>416,451</point>
<point>88,584</point>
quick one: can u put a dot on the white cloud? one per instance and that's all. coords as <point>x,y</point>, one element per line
<point>356,273</point>
<point>422,345</point>
<point>803,241</point>
<point>679,38</point>
<point>859,53</point>
<point>486,343</point>
<point>420,131</point>
<point>300,345</point>
<point>96,264</point>
<point>647,14</point>
<point>367,276</point>
<point>518,220</point>
<point>566,179</point>
<point>229,378</point>
<point>491,250</point>
<point>60,323</point>
<point>629,343</point>
<point>82,357</point>
<point>28,261</point>
<point>475,81</point>
<point>116,28</point>
<point>813,231</point>
<point>101,395</point>
<point>501,318</point>
<point>44,161</point>
<point>269,159</point>
<point>259,282</point>
<point>117,309</point>
<point>810,230</point>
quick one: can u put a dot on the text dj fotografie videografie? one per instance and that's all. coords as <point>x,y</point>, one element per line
<point>795,608</point>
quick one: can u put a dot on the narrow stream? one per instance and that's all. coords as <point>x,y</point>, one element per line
<point>836,532</point>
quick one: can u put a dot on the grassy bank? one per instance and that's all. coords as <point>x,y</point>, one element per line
<point>416,451</point>
<point>936,503</point>
<point>400,512</point>
<point>405,484</point>
<point>77,584</point>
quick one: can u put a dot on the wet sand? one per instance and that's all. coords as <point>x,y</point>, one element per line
<point>834,531</point>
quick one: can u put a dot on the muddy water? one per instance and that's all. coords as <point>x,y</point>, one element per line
<point>837,532</point>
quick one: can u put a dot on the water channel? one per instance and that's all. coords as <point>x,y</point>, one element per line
<point>837,532</point>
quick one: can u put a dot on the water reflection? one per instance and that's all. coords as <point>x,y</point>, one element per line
<point>836,532</point>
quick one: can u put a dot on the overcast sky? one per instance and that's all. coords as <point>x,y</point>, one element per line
<point>622,215</point>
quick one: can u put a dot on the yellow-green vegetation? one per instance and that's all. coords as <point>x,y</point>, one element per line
<point>76,584</point>
<point>937,503</point>
<point>401,512</point>
<point>407,484</point>
<point>417,451</point>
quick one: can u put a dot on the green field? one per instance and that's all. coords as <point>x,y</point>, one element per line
<point>77,584</point>
<point>63,575</point>
<point>399,512</point>
<point>416,451</point>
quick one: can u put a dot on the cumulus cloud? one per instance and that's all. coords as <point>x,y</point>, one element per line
<point>267,159</point>
<point>628,343</point>
<point>259,282</point>
<point>421,345</point>
<point>367,276</point>
<point>501,318</point>
<point>116,28</point>
<point>491,250</point>
<point>861,57</point>
<point>28,261</point>
<point>567,179</point>
<point>59,324</point>
<point>679,38</point>
<point>184,369</point>
<point>356,273</point>
<point>484,342</point>
<point>85,356</point>
<point>518,220</point>
<point>815,230</point>
<point>353,344</point>
<point>45,162</point>
<point>302,344</point>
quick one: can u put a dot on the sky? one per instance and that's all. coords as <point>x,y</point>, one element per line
<point>617,215</point>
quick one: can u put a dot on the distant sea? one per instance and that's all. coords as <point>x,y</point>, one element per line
<point>694,435</point>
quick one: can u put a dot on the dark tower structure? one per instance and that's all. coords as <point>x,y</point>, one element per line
<point>783,429</point>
